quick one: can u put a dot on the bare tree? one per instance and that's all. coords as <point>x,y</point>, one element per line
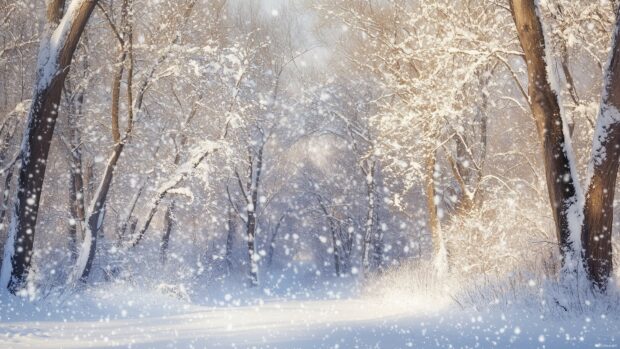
<point>55,54</point>
<point>96,210</point>
<point>549,123</point>
<point>600,186</point>
<point>589,223</point>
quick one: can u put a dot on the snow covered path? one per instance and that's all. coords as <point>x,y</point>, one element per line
<point>316,324</point>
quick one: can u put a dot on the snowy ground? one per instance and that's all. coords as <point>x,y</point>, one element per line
<point>115,317</point>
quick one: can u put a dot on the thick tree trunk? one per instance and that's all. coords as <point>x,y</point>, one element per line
<point>561,180</point>
<point>598,211</point>
<point>54,61</point>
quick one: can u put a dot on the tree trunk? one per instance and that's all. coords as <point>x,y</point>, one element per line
<point>55,57</point>
<point>557,157</point>
<point>96,212</point>
<point>128,216</point>
<point>251,236</point>
<point>5,194</point>
<point>165,239</point>
<point>440,254</point>
<point>76,188</point>
<point>598,211</point>
<point>252,207</point>
<point>5,199</point>
<point>230,238</point>
<point>378,246</point>
<point>162,192</point>
<point>370,226</point>
<point>272,240</point>
<point>76,201</point>
<point>169,216</point>
<point>95,219</point>
<point>336,242</point>
<point>10,129</point>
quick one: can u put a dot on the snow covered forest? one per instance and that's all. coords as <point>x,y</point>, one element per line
<point>309,173</point>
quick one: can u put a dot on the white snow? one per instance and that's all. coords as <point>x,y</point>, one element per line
<point>197,154</point>
<point>50,49</point>
<point>608,116</point>
<point>80,264</point>
<point>184,191</point>
<point>122,319</point>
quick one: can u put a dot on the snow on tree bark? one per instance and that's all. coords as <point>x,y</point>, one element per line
<point>603,170</point>
<point>55,54</point>
<point>96,212</point>
<point>562,184</point>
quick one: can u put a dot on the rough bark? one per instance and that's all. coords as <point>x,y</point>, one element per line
<point>598,210</point>
<point>39,132</point>
<point>544,103</point>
